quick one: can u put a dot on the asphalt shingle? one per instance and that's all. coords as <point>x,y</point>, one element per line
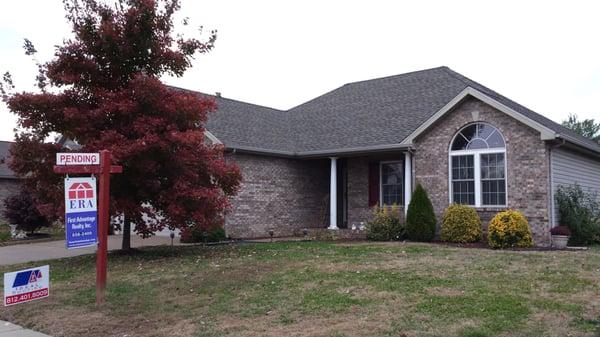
<point>377,112</point>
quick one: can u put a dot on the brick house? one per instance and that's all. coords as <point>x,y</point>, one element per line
<point>325,163</point>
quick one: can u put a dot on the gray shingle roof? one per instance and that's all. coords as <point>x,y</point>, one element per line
<point>371,113</point>
<point>243,125</point>
<point>5,172</point>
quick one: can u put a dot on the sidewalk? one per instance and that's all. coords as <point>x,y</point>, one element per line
<point>56,249</point>
<point>12,330</point>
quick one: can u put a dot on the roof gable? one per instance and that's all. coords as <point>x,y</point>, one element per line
<point>545,132</point>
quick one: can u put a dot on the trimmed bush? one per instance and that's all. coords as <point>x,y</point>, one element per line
<point>386,224</point>
<point>420,218</point>
<point>461,224</point>
<point>509,229</point>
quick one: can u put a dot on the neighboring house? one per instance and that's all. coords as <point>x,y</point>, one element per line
<point>326,162</point>
<point>9,183</point>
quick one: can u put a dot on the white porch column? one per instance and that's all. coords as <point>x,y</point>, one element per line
<point>407,179</point>
<point>333,195</point>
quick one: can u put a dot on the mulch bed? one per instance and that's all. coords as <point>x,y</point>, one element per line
<point>484,245</point>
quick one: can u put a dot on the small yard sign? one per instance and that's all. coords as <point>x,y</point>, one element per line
<point>81,217</point>
<point>26,285</point>
<point>65,158</point>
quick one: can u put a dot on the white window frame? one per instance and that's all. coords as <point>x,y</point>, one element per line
<point>477,168</point>
<point>381,163</point>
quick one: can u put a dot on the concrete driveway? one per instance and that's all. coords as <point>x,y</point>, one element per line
<point>29,252</point>
<point>8,329</point>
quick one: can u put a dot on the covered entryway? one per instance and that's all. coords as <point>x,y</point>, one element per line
<point>357,183</point>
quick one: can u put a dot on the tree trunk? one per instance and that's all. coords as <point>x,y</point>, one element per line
<point>126,233</point>
<point>111,228</point>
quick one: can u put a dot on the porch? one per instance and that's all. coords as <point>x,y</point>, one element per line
<point>359,183</point>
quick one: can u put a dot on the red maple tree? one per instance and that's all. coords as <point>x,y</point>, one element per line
<point>102,89</point>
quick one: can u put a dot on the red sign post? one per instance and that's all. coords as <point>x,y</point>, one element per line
<point>103,169</point>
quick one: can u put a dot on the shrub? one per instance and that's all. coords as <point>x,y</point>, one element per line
<point>195,235</point>
<point>216,234</point>
<point>560,230</point>
<point>509,229</point>
<point>580,211</point>
<point>386,224</point>
<point>461,224</point>
<point>420,218</point>
<point>21,210</point>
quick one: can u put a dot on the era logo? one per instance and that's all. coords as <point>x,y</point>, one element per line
<point>81,195</point>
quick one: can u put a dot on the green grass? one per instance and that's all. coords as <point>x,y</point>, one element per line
<point>4,232</point>
<point>324,289</point>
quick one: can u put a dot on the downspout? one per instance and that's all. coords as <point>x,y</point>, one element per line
<point>551,179</point>
<point>408,183</point>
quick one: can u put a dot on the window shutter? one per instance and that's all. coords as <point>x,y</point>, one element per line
<point>373,184</point>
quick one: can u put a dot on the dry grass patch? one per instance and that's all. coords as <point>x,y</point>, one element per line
<point>323,289</point>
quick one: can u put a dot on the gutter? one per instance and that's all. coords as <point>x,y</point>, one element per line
<point>595,150</point>
<point>257,150</point>
<point>321,153</point>
<point>355,150</point>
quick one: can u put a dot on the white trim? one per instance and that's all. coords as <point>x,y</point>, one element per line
<point>212,137</point>
<point>407,180</point>
<point>401,162</point>
<point>477,177</point>
<point>477,168</point>
<point>479,151</point>
<point>333,194</point>
<point>353,150</point>
<point>545,132</point>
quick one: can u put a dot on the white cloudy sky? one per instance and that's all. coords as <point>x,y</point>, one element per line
<point>543,54</point>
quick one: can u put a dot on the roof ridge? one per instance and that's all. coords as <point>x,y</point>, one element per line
<point>363,81</point>
<point>225,98</point>
<point>397,75</point>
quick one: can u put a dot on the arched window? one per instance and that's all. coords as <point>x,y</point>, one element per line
<point>478,166</point>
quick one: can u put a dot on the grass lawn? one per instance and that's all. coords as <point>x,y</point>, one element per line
<point>323,289</point>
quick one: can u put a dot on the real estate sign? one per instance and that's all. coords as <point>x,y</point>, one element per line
<point>81,215</point>
<point>67,158</point>
<point>26,285</point>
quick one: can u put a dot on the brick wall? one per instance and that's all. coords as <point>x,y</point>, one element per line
<point>527,164</point>
<point>282,194</point>
<point>358,185</point>
<point>8,188</point>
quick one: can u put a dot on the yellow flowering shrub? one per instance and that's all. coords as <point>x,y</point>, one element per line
<point>509,229</point>
<point>386,224</point>
<point>461,224</point>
